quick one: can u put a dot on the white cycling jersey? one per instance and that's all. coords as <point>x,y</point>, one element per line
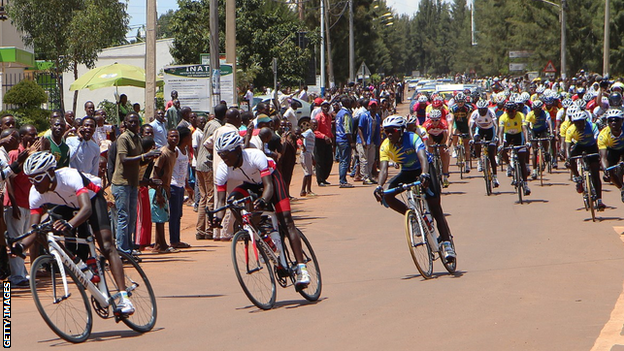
<point>69,184</point>
<point>255,165</point>
<point>483,122</point>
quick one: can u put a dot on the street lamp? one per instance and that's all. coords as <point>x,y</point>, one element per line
<point>563,7</point>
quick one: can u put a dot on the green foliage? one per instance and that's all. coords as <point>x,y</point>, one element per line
<point>164,29</point>
<point>26,94</point>
<point>111,110</point>
<point>36,116</point>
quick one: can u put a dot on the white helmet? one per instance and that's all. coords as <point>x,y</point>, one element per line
<point>579,115</point>
<point>395,121</point>
<point>228,141</point>
<point>538,104</point>
<point>540,89</point>
<point>482,104</point>
<point>39,162</point>
<point>525,96</point>
<point>435,114</point>
<point>422,99</point>
<point>412,119</point>
<point>615,113</point>
<point>567,102</point>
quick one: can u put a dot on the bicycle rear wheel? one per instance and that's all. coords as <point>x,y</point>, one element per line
<point>313,291</point>
<point>253,271</point>
<point>69,316</point>
<point>421,252</point>
<point>140,293</point>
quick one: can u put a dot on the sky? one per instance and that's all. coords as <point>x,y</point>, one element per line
<point>136,10</point>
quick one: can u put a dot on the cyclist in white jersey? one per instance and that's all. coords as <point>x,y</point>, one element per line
<point>483,125</point>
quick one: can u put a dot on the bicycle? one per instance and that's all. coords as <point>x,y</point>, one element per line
<point>487,166</point>
<point>461,154</point>
<point>544,160</point>
<point>589,192</point>
<point>437,163</point>
<point>58,287</point>
<point>420,231</point>
<point>518,181</point>
<point>259,258</point>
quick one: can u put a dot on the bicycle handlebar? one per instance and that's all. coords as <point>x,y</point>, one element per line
<point>617,165</point>
<point>542,139</point>
<point>584,156</point>
<point>36,228</point>
<point>234,203</point>
<point>403,187</point>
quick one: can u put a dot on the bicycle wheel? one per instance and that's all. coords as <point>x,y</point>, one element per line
<point>140,293</point>
<point>590,195</point>
<point>421,252</point>
<point>519,181</point>
<point>450,266</point>
<point>313,291</point>
<point>253,271</point>
<point>461,160</point>
<point>487,175</point>
<point>541,165</point>
<point>69,316</point>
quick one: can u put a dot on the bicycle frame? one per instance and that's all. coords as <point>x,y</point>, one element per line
<point>416,201</point>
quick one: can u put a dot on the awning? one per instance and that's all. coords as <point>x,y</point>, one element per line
<point>16,57</point>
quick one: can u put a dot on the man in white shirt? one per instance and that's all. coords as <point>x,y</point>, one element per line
<point>84,153</point>
<point>291,113</point>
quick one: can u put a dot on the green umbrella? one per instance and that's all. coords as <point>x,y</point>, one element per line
<point>114,75</point>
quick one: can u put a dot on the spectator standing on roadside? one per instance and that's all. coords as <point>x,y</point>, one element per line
<point>291,112</point>
<point>306,158</point>
<point>160,128</point>
<point>344,140</point>
<point>103,130</point>
<point>144,209</point>
<point>173,115</point>
<point>178,183</point>
<point>84,152</point>
<point>323,146</point>
<point>368,140</point>
<point>56,143</point>
<point>174,96</point>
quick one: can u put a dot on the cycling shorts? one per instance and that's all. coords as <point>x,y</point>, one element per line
<point>589,149</point>
<point>614,156</point>
<point>437,139</point>
<point>280,199</point>
<point>406,177</point>
<point>462,127</point>
<point>99,219</point>
<point>513,139</point>
<point>485,134</point>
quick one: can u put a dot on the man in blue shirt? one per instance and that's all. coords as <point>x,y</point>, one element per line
<point>368,140</point>
<point>344,140</point>
<point>159,124</point>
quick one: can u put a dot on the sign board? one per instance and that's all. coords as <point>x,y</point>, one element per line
<point>415,73</point>
<point>194,85</point>
<point>520,54</point>
<point>517,66</point>
<point>550,68</point>
<point>364,68</point>
<point>205,58</point>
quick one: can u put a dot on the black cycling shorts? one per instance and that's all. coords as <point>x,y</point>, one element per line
<point>589,149</point>
<point>614,156</point>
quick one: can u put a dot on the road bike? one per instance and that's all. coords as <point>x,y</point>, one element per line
<point>437,163</point>
<point>487,166</point>
<point>461,154</point>
<point>260,256</point>
<point>58,287</point>
<point>544,160</point>
<point>517,180</point>
<point>422,237</point>
<point>589,192</point>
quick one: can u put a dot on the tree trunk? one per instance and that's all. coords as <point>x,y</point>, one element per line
<point>330,64</point>
<point>75,91</point>
<point>59,84</point>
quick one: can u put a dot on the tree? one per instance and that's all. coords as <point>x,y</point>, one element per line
<point>164,29</point>
<point>26,94</point>
<point>70,32</point>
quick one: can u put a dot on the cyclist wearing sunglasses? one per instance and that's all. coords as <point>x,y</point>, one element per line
<point>408,150</point>
<point>69,187</point>
<point>259,175</point>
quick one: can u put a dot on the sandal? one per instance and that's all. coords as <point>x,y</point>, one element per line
<point>181,245</point>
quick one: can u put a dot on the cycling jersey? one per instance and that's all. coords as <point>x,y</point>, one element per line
<point>606,140</point>
<point>483,122</point>
<point>436,128</point>
<point>512,125</point>
<point>461,116</point>
<point>539,122</point>
<point>69,184</point>
<point>405,154</point>
<point>585,137</point>
<point>255,166</point>
<point>420,109</point>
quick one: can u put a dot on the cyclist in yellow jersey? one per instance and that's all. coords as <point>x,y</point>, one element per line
<point>611,146</point>
<point>513,131</point>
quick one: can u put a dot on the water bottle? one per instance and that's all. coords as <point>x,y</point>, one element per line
<point>92,264</point>
<point>429,220</point>
<point>275,236</point>
<point>269,241</point>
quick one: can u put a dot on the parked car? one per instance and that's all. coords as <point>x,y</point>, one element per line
<point>303,112</point>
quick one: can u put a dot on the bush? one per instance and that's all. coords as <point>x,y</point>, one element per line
<point>36,116</point>
<point>26,94</point>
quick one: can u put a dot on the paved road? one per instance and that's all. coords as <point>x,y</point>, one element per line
<point>537,276</point>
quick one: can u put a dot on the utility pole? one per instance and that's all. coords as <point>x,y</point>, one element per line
<point>215,65</point>
<point>150,60</point>
<point>230,41</point>
<point>605,55</point>
<point>300,8</point>
<point>351,45</point>
<point>564,7</point>
<point>330,62</point>
<point>322,47</point>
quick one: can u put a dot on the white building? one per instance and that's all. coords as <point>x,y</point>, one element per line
<point>133,54</point>
<point>14,55</point>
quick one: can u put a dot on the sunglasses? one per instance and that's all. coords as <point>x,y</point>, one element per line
<point>613,120</point>
<point>391,130</point>
<point>223,154</point>
<point>38,178</point>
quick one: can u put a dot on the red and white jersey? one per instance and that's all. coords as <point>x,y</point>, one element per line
<point>255,166</point>
<point>69,184</point>
<point>435,128</point>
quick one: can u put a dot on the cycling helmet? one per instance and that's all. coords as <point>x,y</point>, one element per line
<point>518,100</point>
<point>548,100</point>
<point>500,98</point>
<point>540,89</point>
<point>395,121</point>
<point>482,104</point>
<point>566,103</point>
<point>422,99</point>
<point>39,162</point>
<point>614,113</point>
<point>525,96</point>
<point>615,99</point>
<point>460,97</point>
<point>437,103</point>
<point>579,115</point>
<point>588,96</point>
<point>617,85</point>
<point>510,105</point>
<point>537,104</point>
<point>412,119</point>
<point>435,114</point>
<point>228,141</point>
<point>580,90</point>
<point>580,103</point>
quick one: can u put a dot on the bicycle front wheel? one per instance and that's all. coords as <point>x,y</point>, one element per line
<point>421,252</point>
<point>68,315</point>
<point>313,291</point>
<point>519,182</point>
<point>590,195</point>
<point>253,271</point>
<point>140,293</point>
<point>487,175</point>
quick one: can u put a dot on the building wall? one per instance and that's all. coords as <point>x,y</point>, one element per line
<point>133,54</point>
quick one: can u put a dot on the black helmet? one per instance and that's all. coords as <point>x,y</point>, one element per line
<point>615,100</point>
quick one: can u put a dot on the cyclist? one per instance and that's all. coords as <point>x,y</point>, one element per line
<point>408,150</point>
<point>539,122</point>
<point>483,123</point>
<point>437,129</point>
<point>460,115</point>
<point>68,187</point>
<point>512,130</point>
<point>420,108</point>
<point>259,175</point>
<point>584,134</point>
<point>611,146</point>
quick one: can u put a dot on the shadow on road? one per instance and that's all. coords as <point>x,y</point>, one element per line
<point>101,336</point>
<point>288,304</point>
<point>554,184</point>
<point>435,275</point>
<point>190,296</point>
<point>530,201</point>
<point>453,192</point>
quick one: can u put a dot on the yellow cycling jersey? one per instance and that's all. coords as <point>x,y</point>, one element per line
<point>606,140</point>
<point>512,125</point>
<point>564,127</point>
